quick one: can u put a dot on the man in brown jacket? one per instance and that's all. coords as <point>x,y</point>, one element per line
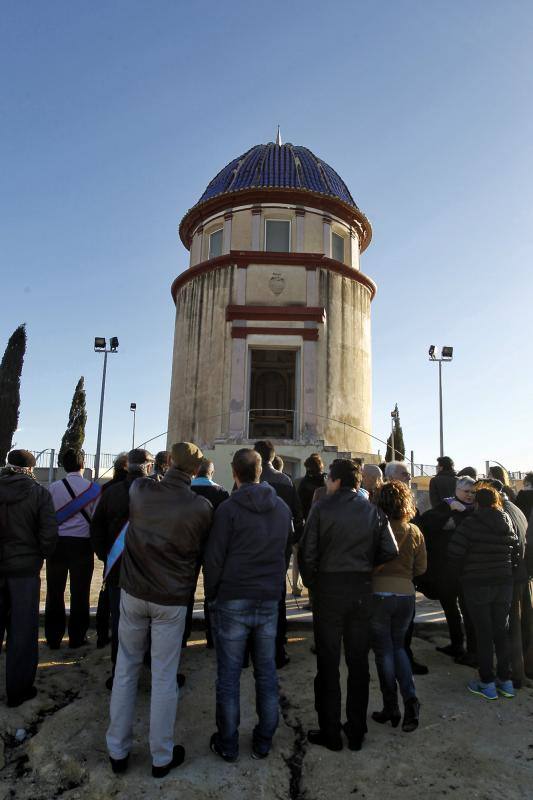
<point>168,527</point>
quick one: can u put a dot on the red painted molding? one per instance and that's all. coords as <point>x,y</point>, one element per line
<point>308,334</point>
<point>322,202</point>
<point>272,313</point>
<point>243,259</point>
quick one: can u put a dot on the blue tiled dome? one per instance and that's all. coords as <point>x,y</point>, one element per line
<point>284,166</point>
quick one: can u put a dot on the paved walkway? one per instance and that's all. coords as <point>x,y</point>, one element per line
<point>426,610</point>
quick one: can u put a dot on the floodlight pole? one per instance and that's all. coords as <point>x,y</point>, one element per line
<point>440,409</point>
<point>100,346</point>
<point>99,439</point>
<point>134,410</point>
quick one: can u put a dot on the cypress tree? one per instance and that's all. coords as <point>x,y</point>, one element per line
<point>10,371</point>
<point>399,446</point>
<point>74,435</point>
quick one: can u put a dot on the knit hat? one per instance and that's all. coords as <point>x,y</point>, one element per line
<point>187,457</point>
<point>21,458</point>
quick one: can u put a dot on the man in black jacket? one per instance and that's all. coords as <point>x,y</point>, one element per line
<point>284,488</point>
<point>167,530</point>
<point>244,577</point>
<point>345,537</point>
<point>110,516</point>
<point>28,534</point>
<point>443,484</point>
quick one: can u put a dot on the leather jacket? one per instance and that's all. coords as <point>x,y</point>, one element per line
<point>168,528</point>
<point>344,533</point>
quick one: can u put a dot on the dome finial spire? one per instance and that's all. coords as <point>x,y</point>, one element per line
<point>278,137</point>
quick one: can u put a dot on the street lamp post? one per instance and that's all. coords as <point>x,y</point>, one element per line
<point>446,354</point>
<point>100,346</point>
<point>133,408</point>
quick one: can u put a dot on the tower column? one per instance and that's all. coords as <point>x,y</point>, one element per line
<point>226,234</point>
<point>256,227</point>
<point>327,236</point>
<point>300,223</point>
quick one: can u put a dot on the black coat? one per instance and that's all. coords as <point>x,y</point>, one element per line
<point>28,527</point>
<point>284,488</point>
<point>519,523</point>
<point>524,501</point>
<point>306,489</point>
<point>110,516</point>
<point>345,534</point>
<point>442,486</point>
<point>485,548</point>
<point>438,526</point>
<point>214,493</point>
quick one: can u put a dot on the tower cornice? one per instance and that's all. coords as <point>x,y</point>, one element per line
<point>255,197</point>
<point>243,259</point>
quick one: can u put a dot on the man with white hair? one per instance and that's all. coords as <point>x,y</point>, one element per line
<point>399,471</point>
<point>372,478</point>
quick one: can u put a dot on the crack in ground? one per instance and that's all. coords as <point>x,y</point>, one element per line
<point>11,743</point>
<point>296,759</point>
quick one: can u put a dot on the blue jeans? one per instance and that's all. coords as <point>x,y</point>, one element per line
<point>234,622</point>
<point>391,618</point>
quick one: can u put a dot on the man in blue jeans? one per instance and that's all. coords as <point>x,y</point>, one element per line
<point>244,574</point>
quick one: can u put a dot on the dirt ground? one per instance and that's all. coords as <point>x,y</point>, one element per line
<point>465,747</point>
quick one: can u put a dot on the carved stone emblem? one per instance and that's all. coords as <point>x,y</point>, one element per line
<point>276,283</point>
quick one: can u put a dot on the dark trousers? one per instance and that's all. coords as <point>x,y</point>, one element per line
<point>281,630</point>
<point>73,557</point>
<point>103,616</point>
<point>341,613</point>
<point>455,610</point>
<point>489,606</point>
<point>19,616</point>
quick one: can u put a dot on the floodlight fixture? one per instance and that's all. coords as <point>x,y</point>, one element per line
<point>447,353</point>
<point>100,346</point>
<point>113,344</point>
<point>133,406</point>
<point>99,343</point>
<point>432,351</point>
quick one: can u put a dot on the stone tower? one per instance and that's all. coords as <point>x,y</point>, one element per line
<point>272,334</point>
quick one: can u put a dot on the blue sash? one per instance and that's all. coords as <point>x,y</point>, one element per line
<point>78,503</point>
<point>116,551</point>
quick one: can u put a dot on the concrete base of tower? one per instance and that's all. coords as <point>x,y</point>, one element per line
<point>293,454</point>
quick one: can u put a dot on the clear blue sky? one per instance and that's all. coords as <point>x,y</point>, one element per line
<point>116,115</point>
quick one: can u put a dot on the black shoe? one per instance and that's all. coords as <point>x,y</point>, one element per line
<point>75,644</point>
<point>215,747</point>
<point>317,737</point>
<point>119,765</point>
<point>391,715</point>
<point>355,743</point>
<point>411,715</point>
<point>180,680</point>
<point>257,755</point>
<point>467,659</point>
<point>109,683</point>
<point>282,660</point>
<point>419,669</point>
<point>178,758</point>
<point>102,642</point>
<point>18,700</point>
<point>455,651</point>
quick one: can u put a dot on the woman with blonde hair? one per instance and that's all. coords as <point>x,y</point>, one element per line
<point>394,605</point>
<point>484,550</point>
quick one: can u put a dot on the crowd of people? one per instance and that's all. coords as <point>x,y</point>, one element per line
<point>357,541</point>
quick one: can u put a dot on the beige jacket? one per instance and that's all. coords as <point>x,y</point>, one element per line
<point>396,576</point>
